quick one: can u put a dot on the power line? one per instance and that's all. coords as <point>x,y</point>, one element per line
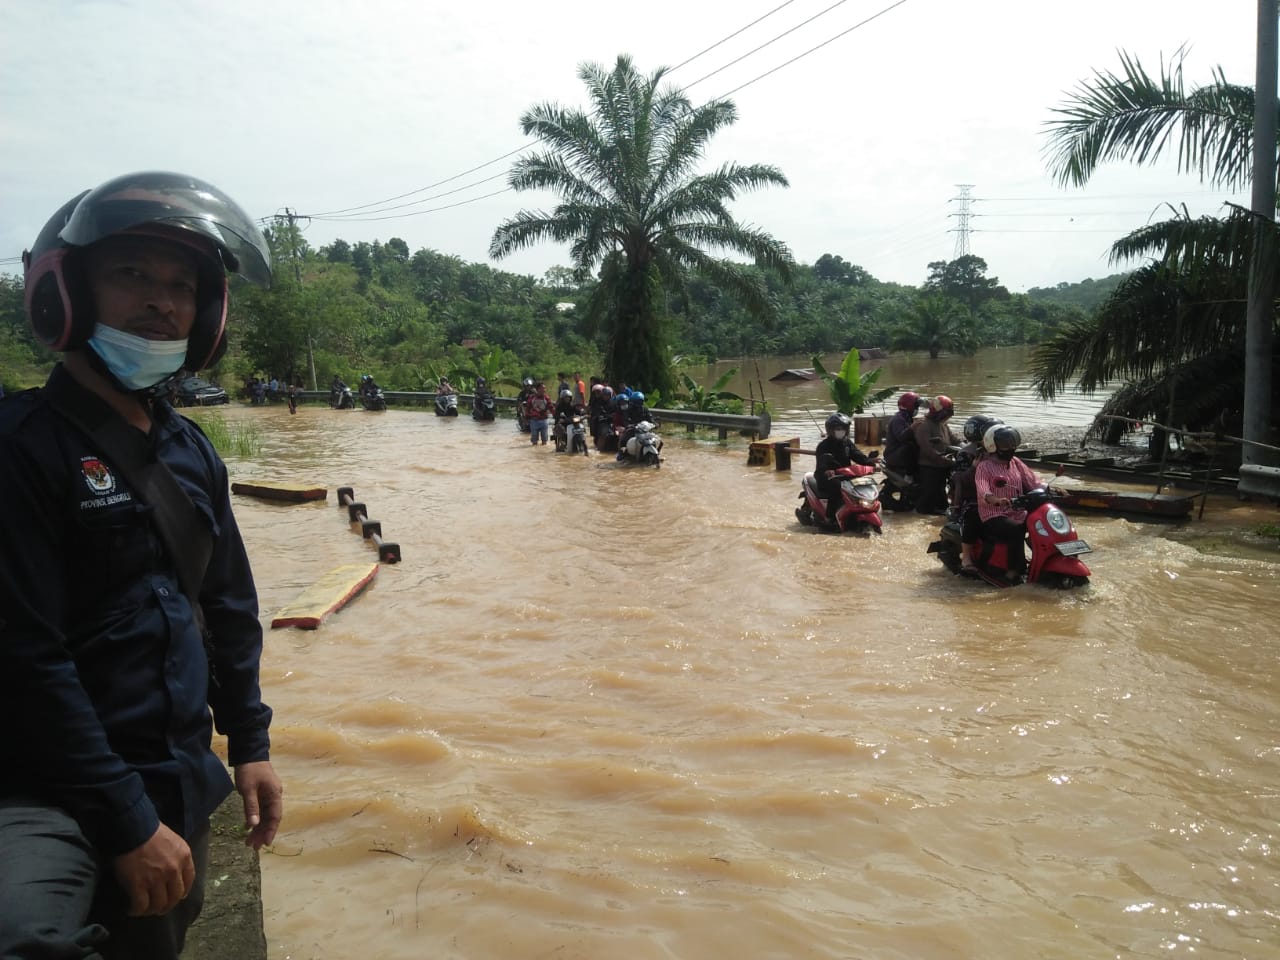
<point>1112,232</point>
<point>768,43</point>
<point>748,83</point>
<point>863,23</point>
<point>429,186</point>
<point>346,217</point>
<point>1073,198</point>
<point>415,213</point>
<point>488,163</point>
<point>730,36</point>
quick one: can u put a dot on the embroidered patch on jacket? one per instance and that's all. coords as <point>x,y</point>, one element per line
<point>97,475</point>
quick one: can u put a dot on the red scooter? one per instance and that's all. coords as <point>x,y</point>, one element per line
<point>860,510</point>
<point>1055,547</point>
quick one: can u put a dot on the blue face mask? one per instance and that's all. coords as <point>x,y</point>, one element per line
<point>137,362</point>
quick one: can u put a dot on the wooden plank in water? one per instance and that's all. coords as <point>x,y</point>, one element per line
<point>1152,504</point>
<point>289,492</point>
<point>331,592</point>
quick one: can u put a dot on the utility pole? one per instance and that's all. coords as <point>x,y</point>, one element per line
<point>297,273</point>
<point>962,229</point>
<point>1260,319</point>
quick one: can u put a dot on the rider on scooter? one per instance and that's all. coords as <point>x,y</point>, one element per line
<point>1000,477</point>
<point>834,452</point>
<point>566,409</point>
<point>629,410</point>
<point>335,390</point>
<point>964,491</point>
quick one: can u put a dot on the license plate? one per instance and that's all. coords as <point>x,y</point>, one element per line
<point>1073,548</point>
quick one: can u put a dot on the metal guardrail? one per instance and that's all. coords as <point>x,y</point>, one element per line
<point>757,425</point>
<point>1259,481</point>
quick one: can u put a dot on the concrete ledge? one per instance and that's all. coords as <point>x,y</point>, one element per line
<point>230,925</point>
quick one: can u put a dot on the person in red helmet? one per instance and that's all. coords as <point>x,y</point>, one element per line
<point>935,442</point>
<point>900,451</point>
<point>130,616</point>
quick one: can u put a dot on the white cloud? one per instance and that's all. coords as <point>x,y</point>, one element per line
<point>326,105</point>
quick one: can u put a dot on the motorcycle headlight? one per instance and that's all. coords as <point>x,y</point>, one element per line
<point>1058,520</point>
<point>1041,530</point>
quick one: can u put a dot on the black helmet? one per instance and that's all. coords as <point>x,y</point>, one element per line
<point>173,206</point>
<point>838,421</point>
<point>481,382</point>
<point>977,426</point>
<point>527,382</point>
<point>1001,437</point>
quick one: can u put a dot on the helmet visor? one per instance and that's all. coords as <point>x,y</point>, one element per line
<point>177,202</point>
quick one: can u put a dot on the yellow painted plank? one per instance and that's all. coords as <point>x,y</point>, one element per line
<point>331,592</point>
<point>291,492</point>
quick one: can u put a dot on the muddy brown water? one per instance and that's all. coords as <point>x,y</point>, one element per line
<point>611,712</point>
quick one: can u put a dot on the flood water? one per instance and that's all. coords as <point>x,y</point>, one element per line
<point>601,711</point>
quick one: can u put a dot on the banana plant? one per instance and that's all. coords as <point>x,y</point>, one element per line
<point>852,391</point>
<point>489,366</point>
<point>705,399</point>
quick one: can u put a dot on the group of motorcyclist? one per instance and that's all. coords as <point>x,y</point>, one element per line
<point>611,415</point>
<point>984,475</point>
<point>368,392</point>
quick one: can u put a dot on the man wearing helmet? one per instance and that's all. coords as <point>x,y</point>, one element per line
<point>935,441</point>
<point>1000,477</point>
<point>567,407</point>
<point>900,451</point>
<point>631,410</point>
<point>129,609</point>
<point>836,450</point>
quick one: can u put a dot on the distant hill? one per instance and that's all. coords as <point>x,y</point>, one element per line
<point>1087,294</point>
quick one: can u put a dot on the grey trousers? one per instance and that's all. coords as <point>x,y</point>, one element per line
<point>59,899</point>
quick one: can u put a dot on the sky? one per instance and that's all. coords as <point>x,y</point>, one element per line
<point>315,106</point>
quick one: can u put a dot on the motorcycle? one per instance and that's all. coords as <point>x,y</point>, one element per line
<point>342,399</point>
<point>898,491</point>
<point>484,408</point>
<point>642,445</point>
<point>446,404</point>
<point>522,416</point>
<point>1055,547</point>
<point>603,433</point>
<point>571,434</point>
<point>860,496</point>
<point>373,399</point>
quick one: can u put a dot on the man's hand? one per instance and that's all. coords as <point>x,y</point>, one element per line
<point>263,796</point>
<point>157,875</point>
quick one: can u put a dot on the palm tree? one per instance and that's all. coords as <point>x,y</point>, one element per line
<point>1180,317</point>
<point>633,205</point>
<point>934,324</point>
<point>1134,116</point>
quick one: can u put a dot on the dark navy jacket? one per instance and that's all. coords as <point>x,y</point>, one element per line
<point>104,677</point>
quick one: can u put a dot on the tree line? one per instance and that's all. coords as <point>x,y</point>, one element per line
<point>409,318</point>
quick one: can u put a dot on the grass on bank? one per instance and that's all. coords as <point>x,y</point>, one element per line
<point>243,440</point>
